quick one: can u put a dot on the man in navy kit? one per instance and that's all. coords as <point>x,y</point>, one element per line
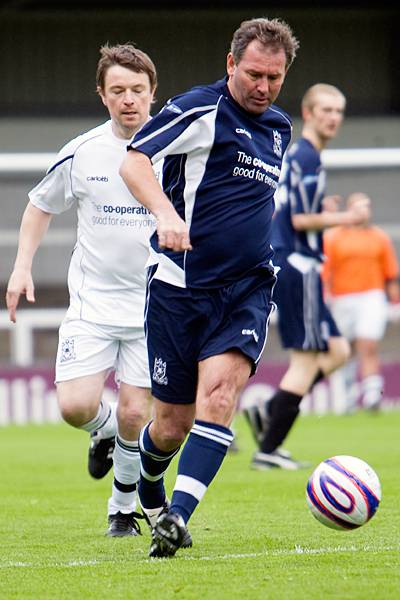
<point>209,290</point>
<point>305,324</point>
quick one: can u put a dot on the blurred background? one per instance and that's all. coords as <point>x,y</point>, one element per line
<point>48,57</point>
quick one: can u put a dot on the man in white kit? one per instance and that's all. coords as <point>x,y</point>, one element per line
<point>103,328</point>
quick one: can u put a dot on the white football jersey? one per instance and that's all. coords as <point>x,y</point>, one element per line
<point>106,277</point>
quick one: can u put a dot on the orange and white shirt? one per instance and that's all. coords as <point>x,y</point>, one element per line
<point>358,259</point>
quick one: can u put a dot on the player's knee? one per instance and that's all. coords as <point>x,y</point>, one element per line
<point>368,349</point>
<point>345,352</point>
<point>340,352</point>
<point>172,430</point>
<point>75,414</point>
<point>133,417</point>
<point>173,436</point>
<point>74,410</point>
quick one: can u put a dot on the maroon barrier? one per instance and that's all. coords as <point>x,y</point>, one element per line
<point>28,394</point>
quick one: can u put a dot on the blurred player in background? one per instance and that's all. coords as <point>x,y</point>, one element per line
<point>305,324</point>
<point>209,293</point>
<point>361,273</point>
<point>103,328</point>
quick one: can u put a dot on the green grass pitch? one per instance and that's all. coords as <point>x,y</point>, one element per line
<point>254,537</point>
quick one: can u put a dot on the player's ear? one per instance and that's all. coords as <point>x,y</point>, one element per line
<point>101,94</point>
<point>230,63</point>
<point>305,112</point>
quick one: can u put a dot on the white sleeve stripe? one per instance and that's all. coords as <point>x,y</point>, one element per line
<point>149,477</point>
<point>226,436</point>
<point>174,122</point>
<point>191,486</point>
<point>214,438</point>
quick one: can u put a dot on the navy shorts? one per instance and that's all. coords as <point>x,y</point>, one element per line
<point>304,320</point>
<point>185,326</point>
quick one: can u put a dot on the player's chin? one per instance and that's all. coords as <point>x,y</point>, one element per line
<point>130,120</point>
<point>331,133</point>
<point>257,107</point>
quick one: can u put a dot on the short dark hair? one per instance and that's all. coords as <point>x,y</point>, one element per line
<point>128,56</point>
<point>273,33</point>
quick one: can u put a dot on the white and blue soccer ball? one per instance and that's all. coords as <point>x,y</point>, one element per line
<point>343,492</point>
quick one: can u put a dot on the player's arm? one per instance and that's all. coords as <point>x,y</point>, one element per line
<point>357,214</point>
<point>138,175</point>
<point>34,225</point>
<point>390,269</point>
<point>327,265</point>
<point>393,290</point>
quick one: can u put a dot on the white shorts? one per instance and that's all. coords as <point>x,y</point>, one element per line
<point>85,348</point>
<point>363,315</point>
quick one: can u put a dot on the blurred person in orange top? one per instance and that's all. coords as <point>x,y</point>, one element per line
<point>361,275</point>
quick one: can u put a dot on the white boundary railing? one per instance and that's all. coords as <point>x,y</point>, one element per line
<point>26,163</point>
<point>361,158</point>
<point>36,163</point>
<point>33,163</point>
<point>21,332</point>
<point>31,319</point>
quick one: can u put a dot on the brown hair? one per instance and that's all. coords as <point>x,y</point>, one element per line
<point>310,97</point>
<point>273,33</point>
<point>125,55</point>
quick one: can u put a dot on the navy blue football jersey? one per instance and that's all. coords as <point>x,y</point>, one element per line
<point>301,190</point>
<point>221,170</point>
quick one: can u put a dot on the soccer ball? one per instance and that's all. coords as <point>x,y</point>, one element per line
<point>343,492</point>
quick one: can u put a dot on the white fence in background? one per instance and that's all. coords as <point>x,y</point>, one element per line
<point>27,392</point>
<point>21,332</point>
<point>33,163</point>
<point>37,163</point>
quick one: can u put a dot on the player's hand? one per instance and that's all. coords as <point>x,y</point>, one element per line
<point>20,283</point>
<point>173,233</point>
<point>331,203</point>
<point>393,312</point>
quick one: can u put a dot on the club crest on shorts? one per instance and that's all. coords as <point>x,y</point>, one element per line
<point>159,371</point>
<point>277,147</point>
<point>67,350</point>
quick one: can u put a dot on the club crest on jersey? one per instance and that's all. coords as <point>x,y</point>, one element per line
<point>159,371</point>
<point>67,350</point>
<point>277,147</point>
